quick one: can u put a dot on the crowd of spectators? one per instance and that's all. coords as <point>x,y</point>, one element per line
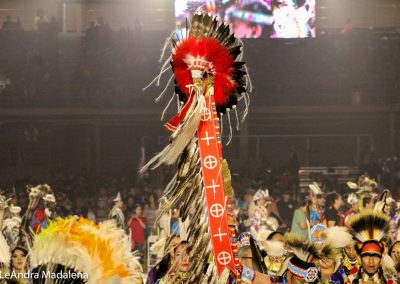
<point>28,61</point>
<point>92,197</point>
<point>111,67</point>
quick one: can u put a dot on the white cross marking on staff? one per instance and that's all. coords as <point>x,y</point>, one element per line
<point>213,186</point>
<point>208,138</point>
<point>220,235</point>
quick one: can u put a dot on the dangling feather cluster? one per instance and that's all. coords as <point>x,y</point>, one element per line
<point>306,250</point>
<point>100,250</point>
<point>337,237</point>
<point>273,248</point>
<point>370,225</point>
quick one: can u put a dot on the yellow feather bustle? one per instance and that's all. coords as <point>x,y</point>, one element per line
<point>103,251</point>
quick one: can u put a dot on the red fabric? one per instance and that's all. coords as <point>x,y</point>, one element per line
<point>137,232</point>
<point>215,53</point>
<point>176,120</point>
<point>38,217</point>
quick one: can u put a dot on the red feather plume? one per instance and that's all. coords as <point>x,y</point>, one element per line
<point>219,59</point>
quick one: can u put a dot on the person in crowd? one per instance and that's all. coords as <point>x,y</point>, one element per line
<point>150,211</point>
<point>302,263</point>
<point>250,268</point>
<point>40,20</point>
<point>316,212</point>
<point>44,213</point>
<point>332,215</point>
<point>354,202</point>
<point>247,199</point>
<point>83,207</point>
<point>274,220</point>
<point>286,207</point>
<point>102,205</point>
<point>351,261</point>
<point>164,265</point>
<point>89,207</point>
<point>116,212</point>
<point>299,223</point>
<point>130,204</point>
<point>394,253</point>
<point>258,212</point>
<point>370,229</point>
<point>137,225</point>
<point>63,205</point>
<point>276,254</point>
<point>180,265</point>
<point>368,202</point>
<point>330,266</point>
<point>18,265</point>
<point>164,224</point>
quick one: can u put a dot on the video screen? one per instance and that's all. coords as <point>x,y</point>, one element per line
<point>256,18</point>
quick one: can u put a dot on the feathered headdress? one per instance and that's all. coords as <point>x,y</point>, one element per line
<point>337,237</point>
<point>314,188</point>
<point>276,256</point>
<point>363,185</point>
<point>304,254</point>
<point>206,58</point>
<point>369,228</point>
<point>95,253</point>
<point>352,199</point>
<point>118,197</point>
<point>261,194</point>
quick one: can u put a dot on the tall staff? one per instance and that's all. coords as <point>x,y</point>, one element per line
<point>210,80</point>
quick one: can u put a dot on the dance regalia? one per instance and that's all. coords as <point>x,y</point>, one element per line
<point>259,215</point>
<point>305,253</point>
<point>370,228</point>
<point>116,212</point>
<point>351,266</point>
<point>274,260</point>
<point>339,277</point>
<point>349,213</point>
<point>93,253</point>
<point>248,275</point>
<point>39,220</point>
<point>315,215</point>
<point>174,278</point>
